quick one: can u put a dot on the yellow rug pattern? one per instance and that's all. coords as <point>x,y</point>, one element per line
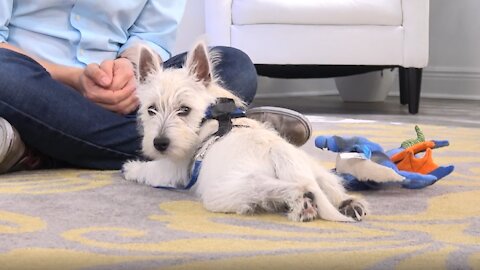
<point>81,219</point>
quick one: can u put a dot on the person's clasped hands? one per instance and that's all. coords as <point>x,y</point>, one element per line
<point>111,85</point>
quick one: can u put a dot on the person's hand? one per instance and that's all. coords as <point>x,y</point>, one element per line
<point>123,79</point>
<point>111,85</point>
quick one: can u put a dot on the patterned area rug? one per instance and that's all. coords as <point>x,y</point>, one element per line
<point>80,219</point>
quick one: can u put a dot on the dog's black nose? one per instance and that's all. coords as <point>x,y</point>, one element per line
<point>161,144</point>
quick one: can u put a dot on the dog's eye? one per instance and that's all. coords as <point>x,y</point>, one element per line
<point>152,110</point>
<point>184,111</point>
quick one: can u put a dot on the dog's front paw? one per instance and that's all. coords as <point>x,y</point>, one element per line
<point>304,209</point>
<point>353,208</point>
<point>131,171</point>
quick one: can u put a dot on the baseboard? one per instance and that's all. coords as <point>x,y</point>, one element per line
<point>451,83</point>
<point>438,82</point>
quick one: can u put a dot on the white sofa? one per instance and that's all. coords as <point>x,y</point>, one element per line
<point>326,38</point>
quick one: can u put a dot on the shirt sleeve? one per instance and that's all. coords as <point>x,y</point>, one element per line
<point>6,7</point>
<point>157,26</point>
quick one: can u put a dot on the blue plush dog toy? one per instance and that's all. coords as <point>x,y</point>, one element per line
<point>363,164</point>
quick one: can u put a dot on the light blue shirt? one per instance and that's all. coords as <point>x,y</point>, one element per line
<point>79,32</point>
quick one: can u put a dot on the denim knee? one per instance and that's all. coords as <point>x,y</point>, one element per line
<point>16,70</point>
<point>6,68</point>
<point>9,58</point>
<point>237,72</point>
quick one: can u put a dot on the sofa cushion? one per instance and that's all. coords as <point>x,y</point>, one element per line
<point>315,12</point>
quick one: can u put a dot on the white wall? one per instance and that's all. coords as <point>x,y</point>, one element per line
<point>454,66</point>
<point>453,70</point>
<point>192,25</point>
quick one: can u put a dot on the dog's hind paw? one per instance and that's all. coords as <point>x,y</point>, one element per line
<point>304,209</point>
<point>353,208</point>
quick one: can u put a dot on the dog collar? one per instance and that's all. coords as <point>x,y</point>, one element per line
<point>195,165</point>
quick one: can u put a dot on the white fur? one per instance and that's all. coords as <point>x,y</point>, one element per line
<point>249,169</point>
<point>367,170</point>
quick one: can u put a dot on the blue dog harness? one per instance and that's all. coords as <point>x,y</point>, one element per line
<point>224,110</point>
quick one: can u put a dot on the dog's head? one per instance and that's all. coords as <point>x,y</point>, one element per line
<point>173,102</point>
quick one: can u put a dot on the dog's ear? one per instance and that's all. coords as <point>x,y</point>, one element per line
<point>144,60</point>
<point>199,64</point>
<point>148,62</point>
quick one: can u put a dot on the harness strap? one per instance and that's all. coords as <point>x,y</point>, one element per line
<point>224,110</point>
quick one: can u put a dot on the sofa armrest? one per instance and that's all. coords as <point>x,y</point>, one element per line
<point>416,33</point>
<point>218,22</point>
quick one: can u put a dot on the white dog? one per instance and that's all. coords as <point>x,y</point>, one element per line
<point>249,169</point>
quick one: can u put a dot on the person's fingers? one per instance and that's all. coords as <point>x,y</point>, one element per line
<point>122,73</point>
<point>131,102</point>
<point>109,97</point>
<point>97,75</point>
<point>131,86</point>
<point>122,100</point>
<point>107,67</point>
<point>112,97</point>
<point>126,106</point>
<point>100,96</point>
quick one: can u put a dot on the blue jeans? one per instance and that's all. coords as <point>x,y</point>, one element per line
<point>60,123</point>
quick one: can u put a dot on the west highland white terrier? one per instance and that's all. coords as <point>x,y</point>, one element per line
<point>247,169</point>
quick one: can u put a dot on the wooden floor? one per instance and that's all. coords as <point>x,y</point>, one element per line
<point>432,111</point>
